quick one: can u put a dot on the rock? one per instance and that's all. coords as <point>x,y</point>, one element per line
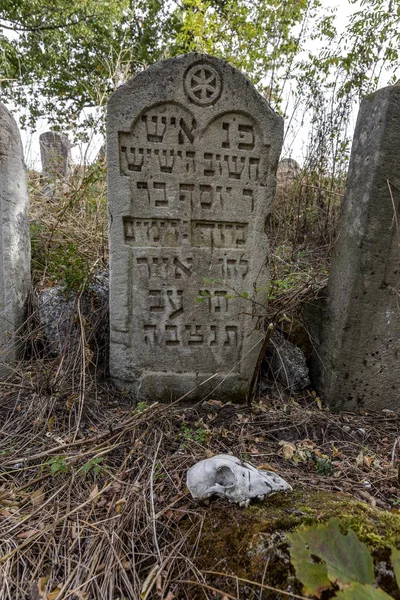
<point>14,238</point>
<point>58,317</point>
<point>286,363</point>
<point>192,151</point>
<point>356,363</point>
<point>242,542</point>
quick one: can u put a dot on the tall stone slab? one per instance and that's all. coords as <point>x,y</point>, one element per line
<point>14,237</point>
<point>55,153</point>
<point>356,364</point>
<point>192,152</point>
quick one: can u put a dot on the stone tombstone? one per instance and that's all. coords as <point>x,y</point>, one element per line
<point>14,237</point>
<point>55,153</point>
<point>192,152</point>
<point>356,364</point>
<point>288,170</point>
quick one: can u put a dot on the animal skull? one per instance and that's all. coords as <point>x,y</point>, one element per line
<point>228,477</point>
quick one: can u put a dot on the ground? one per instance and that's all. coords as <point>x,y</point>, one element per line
<point>93,501</point>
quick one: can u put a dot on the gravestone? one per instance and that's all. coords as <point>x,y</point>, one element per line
<point>288,170</point>
<point>14,237</point>
<point>192,152</point>
<point>356,364</point>
<point>55,153</point>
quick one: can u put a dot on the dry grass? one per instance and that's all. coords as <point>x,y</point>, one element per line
<point>93,503</point>
<point>69,227</point>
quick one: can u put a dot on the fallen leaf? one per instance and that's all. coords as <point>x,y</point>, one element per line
<point>267,467</point>
<point>357,591</point>
<point>149,581</point>
<point>335,549</point>
<point>214,403</point>
<point>119,504</point>
<point>27,534</point>
<point>38,497</point>
<point>116,487</point>
<point>368,460</point>
<point>53,595</point>
<point>94,492</point>
<point>360,459</point>
<point>288,449</point>
<point>395,558</point>
<point>242,419</point>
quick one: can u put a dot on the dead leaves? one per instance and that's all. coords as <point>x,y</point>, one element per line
<point>24,535</point>
<point>307,452</point>
<point>39,591</point>
<point>37,497</point>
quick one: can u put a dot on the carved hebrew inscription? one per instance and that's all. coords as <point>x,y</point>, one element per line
<point>191,153</point>
<point>195,186</point>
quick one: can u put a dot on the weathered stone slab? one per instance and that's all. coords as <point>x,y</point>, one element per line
<point>288,170</point>
<point>356,364</point>
<point>14,237</point>
<point>55,153</point>
<point>192,154</point>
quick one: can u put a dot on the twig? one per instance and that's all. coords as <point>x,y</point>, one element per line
<point>207,587</point>
<point>257,368</point>
<point>261,585</point>
<point>153,512</point>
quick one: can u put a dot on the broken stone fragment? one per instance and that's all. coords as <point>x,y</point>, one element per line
<point>287,364</point>
<point>228,477</point>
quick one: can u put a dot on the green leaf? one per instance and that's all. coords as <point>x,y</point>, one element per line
<point>395,558</point>
<point>245,294</point>
<point>314,576</point>
<point>57,465</point>
<point>346,559</point>
<point>357,591</point>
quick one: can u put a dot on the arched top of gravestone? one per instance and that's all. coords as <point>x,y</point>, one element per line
<point>203,86</point>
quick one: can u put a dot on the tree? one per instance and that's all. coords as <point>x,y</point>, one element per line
<point>62,57</point>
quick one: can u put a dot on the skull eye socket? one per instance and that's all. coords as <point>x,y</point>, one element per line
<point>225,477</point>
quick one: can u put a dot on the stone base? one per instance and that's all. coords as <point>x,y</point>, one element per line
<point>156,387</point>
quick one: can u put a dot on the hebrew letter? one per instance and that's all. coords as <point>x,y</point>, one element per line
<point>231,335</point>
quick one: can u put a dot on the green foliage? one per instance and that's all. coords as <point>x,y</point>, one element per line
<point>94,465</point>
<point>68,55</point>
<point>196,435</point>
<point>343,560</point>
<point>63,263</point>
<point>323,466</point>
<point>68,233</point>
<point>140,407</point>
<point>395,558</point>
<point>69,267</point>
<point>57,464</point>
<point>346,559</point>
<point>357,591</point>
<point>228,29</point>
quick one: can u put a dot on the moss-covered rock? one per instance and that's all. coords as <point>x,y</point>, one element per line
<point>251,543</point>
